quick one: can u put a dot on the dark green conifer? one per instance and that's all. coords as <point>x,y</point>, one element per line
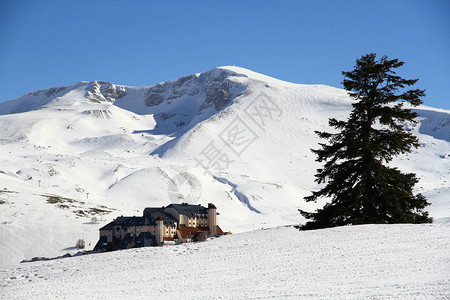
<point>362,188</point>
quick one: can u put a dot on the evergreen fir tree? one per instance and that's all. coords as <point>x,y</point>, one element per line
<point>362,188</point>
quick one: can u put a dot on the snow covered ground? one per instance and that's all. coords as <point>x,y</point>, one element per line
<point>96,149</point>
<point>352,262</point>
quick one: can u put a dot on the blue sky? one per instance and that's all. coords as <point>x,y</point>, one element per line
<point>143,42</point>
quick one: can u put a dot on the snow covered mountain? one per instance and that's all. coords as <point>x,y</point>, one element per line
<point>236,138</point>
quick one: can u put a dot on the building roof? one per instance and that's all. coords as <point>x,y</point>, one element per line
<point>129,221</point>
<point>219,230</point>
<point>190,232</point>
<point>189,210</point>
<point>108,226</point>
<point>124,222</point>
<point>151,214</point>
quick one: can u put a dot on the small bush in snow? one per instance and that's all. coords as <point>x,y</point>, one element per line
<point>80,244</point>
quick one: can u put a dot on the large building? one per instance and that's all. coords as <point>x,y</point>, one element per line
<point>160,225</point>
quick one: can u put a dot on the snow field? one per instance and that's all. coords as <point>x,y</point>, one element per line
<point>352,262</point>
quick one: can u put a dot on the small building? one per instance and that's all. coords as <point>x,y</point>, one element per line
<point>175,223</point>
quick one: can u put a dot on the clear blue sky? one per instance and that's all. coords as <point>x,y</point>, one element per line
<point>143,42</point>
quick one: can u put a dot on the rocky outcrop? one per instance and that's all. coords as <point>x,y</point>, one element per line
<point>216,87</point>
<point>102,91</point>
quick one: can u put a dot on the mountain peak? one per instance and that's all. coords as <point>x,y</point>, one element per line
<point>253,75</point>
<point>214,89</point>
<point>81,92</point>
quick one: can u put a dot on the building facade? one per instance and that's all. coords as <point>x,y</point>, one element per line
<point>175,223</point>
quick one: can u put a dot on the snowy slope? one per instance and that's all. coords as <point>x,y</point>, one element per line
<point>352,262</point>
<point>99,149</point>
